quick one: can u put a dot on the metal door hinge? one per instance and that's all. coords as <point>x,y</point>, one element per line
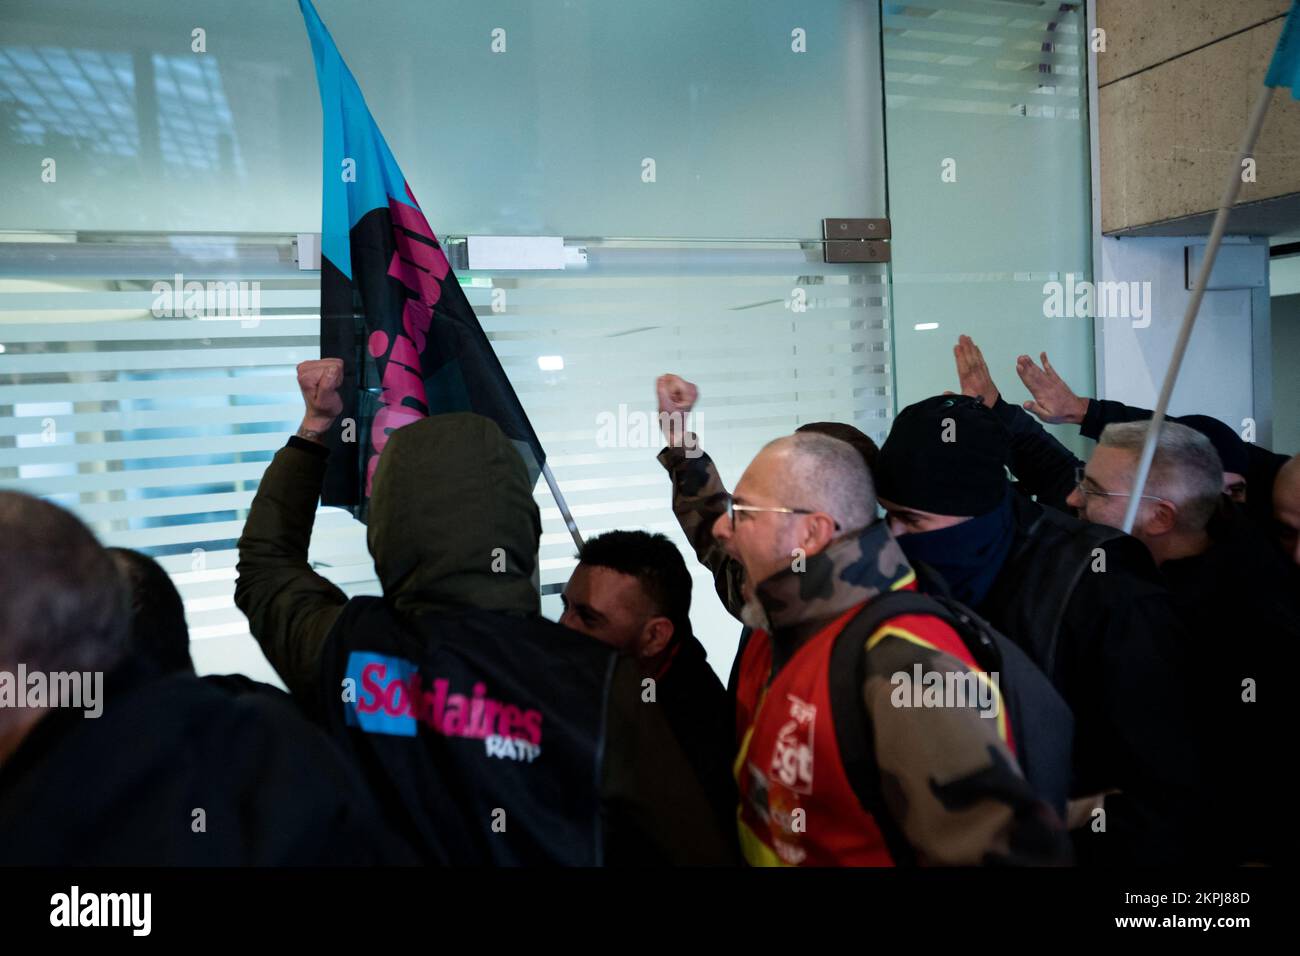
<point>855,240</point>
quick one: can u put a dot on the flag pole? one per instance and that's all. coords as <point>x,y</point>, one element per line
<point>1194,305</point>
<point>563,506</point>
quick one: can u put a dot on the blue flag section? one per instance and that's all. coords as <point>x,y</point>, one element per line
<point>1284,70</point>
<point>391,307</point>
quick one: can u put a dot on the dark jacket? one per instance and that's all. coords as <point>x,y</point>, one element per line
<point>1042,466</point>
<point>1119,659</point>
<point>549,727</point>
<point>1239,604</point>
<point>1240,601</point>
<point>176,772</point>
<point>702,717</point>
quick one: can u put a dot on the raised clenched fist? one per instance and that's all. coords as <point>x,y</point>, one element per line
<point>676,399</point>
<point>320,380</point>
<point>675,394</point>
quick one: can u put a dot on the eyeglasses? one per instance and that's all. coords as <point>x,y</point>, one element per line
<point>732,508</point>
<point>1080,477</point>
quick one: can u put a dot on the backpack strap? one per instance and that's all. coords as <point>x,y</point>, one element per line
<point>853,731</point>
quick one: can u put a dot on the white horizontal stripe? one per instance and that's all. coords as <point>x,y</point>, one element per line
<point>748,340</point>
<point>168,506</point>
<point>154,418</point>
<point>157,448</point>
<point>14,363</point>
<point>106,481</point>
<point>1064,34</point>
<point>147,330</point>
<point>189,533</point>
<point>257,382</point>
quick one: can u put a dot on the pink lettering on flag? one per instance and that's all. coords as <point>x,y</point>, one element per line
<point>416,317</point>
<point>404,352</point>
<point>426,257</point>
<point>412,219</point>
<point>419,281</point>
<point>420,267</point>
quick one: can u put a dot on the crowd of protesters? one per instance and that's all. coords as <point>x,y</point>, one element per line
<point>950,654</point>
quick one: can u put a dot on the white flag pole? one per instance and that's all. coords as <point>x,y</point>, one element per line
<point>563,506</point>
<point>1194,305</point>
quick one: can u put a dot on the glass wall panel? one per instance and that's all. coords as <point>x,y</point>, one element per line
<point>520,117</point>
<point>153,418</point>
<point>989,185</point>
<point>761,116</point>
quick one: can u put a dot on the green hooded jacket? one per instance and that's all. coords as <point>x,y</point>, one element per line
<point>453,525</point>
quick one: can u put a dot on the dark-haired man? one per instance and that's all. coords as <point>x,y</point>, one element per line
<point>631,590</point>
<point>158,636</point>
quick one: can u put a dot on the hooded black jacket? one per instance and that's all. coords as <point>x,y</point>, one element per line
<point>548,753</point>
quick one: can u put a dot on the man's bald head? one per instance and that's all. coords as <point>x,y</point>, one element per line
<point>799,495</point>
<point>823,474</point>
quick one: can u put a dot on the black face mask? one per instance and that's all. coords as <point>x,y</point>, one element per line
<point>968,555</point>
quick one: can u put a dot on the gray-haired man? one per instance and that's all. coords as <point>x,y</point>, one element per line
<point>1235,594</point>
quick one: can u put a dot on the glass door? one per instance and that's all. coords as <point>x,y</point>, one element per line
<point>687,153</point>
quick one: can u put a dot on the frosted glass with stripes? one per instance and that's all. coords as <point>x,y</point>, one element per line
<point>156,430</point>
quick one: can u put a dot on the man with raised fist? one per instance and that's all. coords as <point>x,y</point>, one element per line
<point>699,495</point>
<point>488,733</point>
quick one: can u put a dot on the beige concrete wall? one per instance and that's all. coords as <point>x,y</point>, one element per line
<point>1142,33</point>
<point>1174,103</point>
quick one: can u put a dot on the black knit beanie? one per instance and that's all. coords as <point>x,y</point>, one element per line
<point>947,455</point>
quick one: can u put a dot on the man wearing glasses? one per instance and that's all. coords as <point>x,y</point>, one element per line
<point>1086,603</point>
<point>699,495</point>
<point>1237,597</point>
<point>938,784</point>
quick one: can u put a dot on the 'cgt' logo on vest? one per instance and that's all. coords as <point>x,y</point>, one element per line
<point>393,699</point>
<point>792,758</point>
<point>776,797</point>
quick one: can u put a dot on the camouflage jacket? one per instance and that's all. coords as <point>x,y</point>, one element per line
<point>922,753</point>
<point>699,497</point>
